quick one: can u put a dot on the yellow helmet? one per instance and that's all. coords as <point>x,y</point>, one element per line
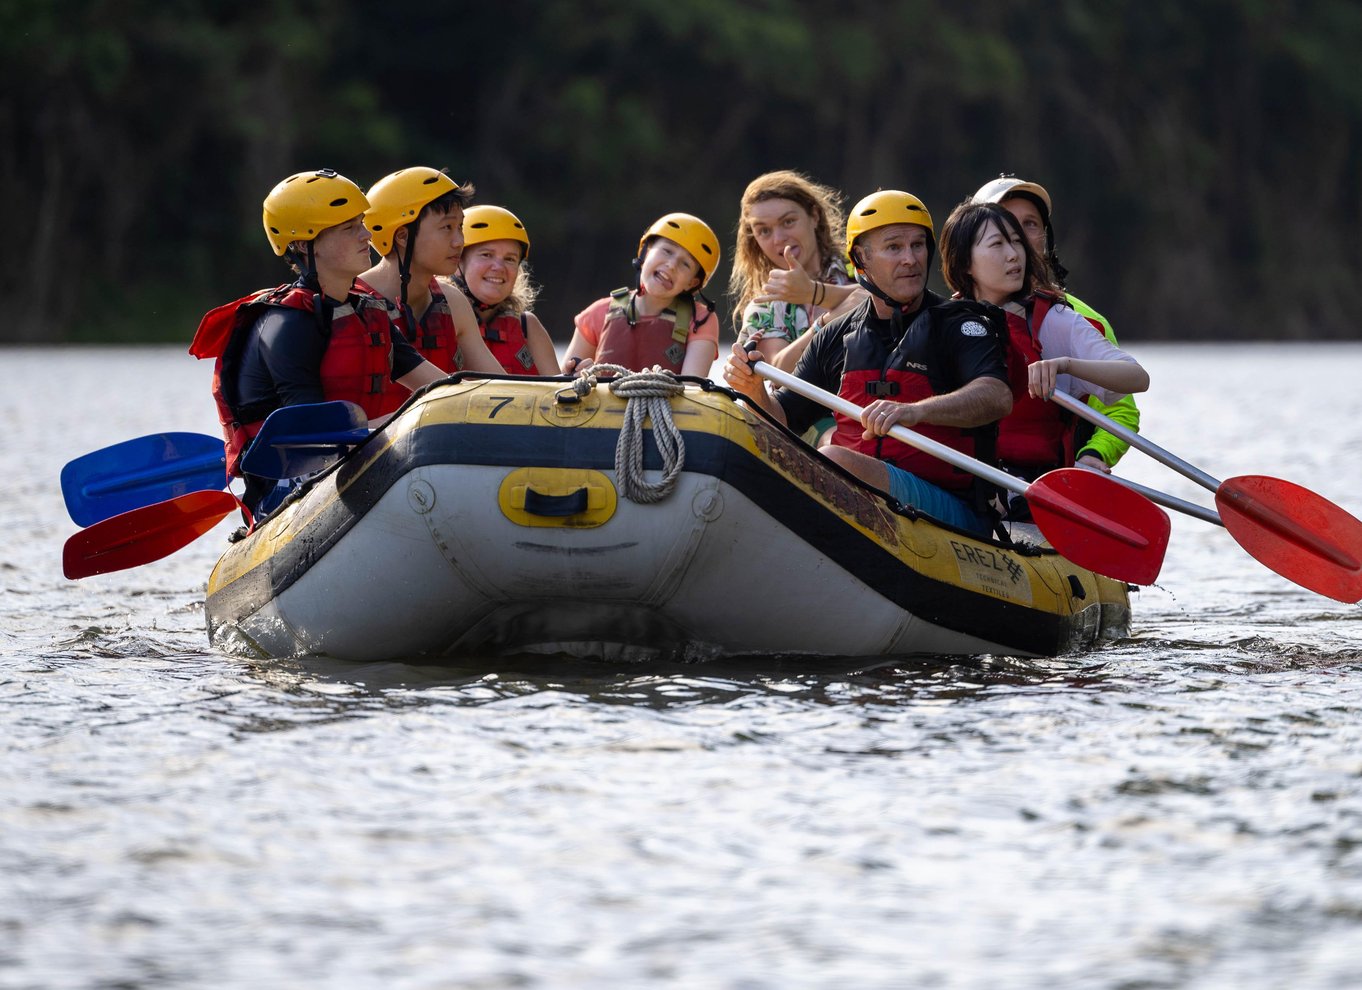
<point>882,209</point>
<point>398,199</point>
<point>691,233</point>
<point>493,223</point>
<point>1004,186</point>
<point>305,204</point>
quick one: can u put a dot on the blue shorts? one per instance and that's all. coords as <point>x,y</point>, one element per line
<point>935,502</point>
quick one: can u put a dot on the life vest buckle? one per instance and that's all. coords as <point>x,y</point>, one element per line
<point>881,389</point>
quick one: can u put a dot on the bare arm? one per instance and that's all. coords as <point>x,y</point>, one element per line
<point>473,349</point>
<point>422,375</point>
<point>541,345</point>
<point>700,355</point>
<point>976,403</point>
<point>740,377</point>
<point>788,356</point>
<point>1125,377</point>
<point>580,354</point>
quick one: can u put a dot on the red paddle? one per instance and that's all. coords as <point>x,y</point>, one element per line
<point>146,534</point>
<point>1090,519</point>
<point>1291,530</point>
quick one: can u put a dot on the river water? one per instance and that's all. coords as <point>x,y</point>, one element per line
<point>1180,809</point>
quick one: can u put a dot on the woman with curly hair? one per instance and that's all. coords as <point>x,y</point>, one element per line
<point>789,274</point>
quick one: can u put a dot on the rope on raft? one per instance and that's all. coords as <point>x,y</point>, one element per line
<point>647,395</point>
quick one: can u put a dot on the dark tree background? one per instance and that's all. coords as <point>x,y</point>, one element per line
<point>1205,157</point>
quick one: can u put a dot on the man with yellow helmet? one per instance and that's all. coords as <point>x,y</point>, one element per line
<point>415,217</point>
<point>317,339</point>
<point>908,357</point>
<point>657,323</point>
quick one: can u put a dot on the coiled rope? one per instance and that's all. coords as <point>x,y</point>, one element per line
<point>647,395</point>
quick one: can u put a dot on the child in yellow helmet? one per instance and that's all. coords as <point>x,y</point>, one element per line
<point>666,321</point>
<point>324,337</point>
<point>494,278</point>
<point>415,216</point>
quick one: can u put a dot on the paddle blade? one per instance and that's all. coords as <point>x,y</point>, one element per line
<point>297,441</point>
<point>136,473</point>
<point>1301,535</point>
<point>146,534</point>
<point>1099,524</point>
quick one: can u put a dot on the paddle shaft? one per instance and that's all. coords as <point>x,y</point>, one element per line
<point>927,445</point>
<point>1166,500</point>
<point>1085,411</point>
<point>1254,508</point>
<point>1074,509</point>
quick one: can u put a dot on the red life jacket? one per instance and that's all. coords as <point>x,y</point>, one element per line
<point>909,370</point>
<point>507,337</point>
<point>1037,435</point>
<point>355,367</point>
<point>637,342</point>
<point>436,338</point>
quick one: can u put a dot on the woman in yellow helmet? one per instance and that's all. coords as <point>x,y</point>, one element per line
<point>494,277</point>
<point>789,275</point>
<point>660,322</point>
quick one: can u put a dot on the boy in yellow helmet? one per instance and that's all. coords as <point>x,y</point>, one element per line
<point>415,217</point>
<point>317,339</point>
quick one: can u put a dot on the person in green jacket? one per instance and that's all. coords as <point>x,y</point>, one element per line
<point>1030,204</point>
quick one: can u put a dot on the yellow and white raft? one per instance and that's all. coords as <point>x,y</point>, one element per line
<point>487,518</point>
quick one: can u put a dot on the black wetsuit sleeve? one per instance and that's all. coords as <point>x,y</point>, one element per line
<point>282,361</point>
<point>972,350</point>
<point>406,358</point>
<point>821,365</point>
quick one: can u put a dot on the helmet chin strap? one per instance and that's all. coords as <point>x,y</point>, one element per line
<point>638,274</point>
<point>404,273</point>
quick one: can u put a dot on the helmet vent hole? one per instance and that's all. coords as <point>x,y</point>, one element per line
<point>340,202</point>
<point>480,225</point>
<point>274,230</point>
<point>870,212</point>
<point>673,224</point>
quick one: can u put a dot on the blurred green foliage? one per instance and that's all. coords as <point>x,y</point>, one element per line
<point>1204,157</point>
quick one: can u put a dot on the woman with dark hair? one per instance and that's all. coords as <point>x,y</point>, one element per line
<point>986,256</point>
<point>1030,203</point>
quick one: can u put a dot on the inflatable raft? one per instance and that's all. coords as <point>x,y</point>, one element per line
<point>488,518</point>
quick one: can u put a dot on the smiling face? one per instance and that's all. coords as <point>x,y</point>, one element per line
<point>439,243</point>
<point>341,251</point>
<point>1029,216</point>
<point>778,223</point>
<point>895,257</point>
<point>668,269</point>
<point>490,269</point>
<point>997,263</point>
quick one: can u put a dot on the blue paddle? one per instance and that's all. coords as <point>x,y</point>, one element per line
<point>297,441</point>
<point>294,442</point>
<point>141,472</point>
